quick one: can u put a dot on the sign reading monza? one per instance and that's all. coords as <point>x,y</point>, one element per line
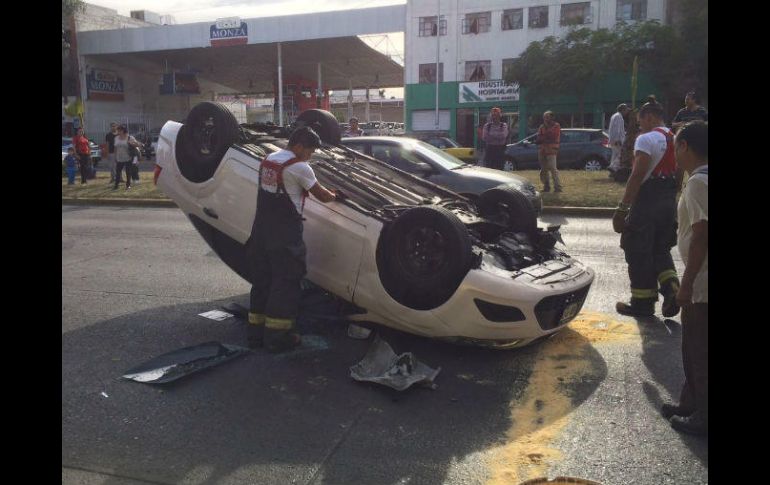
<point>104,85</point>
<point>478,92</point>
<point>223,35</point>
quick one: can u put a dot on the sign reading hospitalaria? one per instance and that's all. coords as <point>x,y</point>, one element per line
<point>482,91</point>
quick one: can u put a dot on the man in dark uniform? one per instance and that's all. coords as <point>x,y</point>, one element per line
<point>692,111</point>
<point>646,217</point>
<point>276,248</point>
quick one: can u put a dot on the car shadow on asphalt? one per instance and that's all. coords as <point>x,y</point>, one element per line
<point>288,418</point>
<point>662,353</point>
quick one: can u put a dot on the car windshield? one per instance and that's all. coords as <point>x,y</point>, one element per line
<point>438,156</point>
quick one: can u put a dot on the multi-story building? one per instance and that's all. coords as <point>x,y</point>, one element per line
<point>475,40</point>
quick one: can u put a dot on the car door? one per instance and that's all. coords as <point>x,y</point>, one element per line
<point>525,153</point>
<point>567,149</point>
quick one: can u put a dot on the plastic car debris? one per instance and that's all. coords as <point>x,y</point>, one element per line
<point>179,363</point>
<point>358,332</point>
<point>382,366</point>
<point>217,315</point>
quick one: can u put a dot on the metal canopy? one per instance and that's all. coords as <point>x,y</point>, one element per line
<point>253,68</point>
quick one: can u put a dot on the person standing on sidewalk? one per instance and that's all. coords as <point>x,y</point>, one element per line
<point>110,138</point>
<point>690,415</point>
<point>83,150</point>
<point>123,156</point>
<point>495,135</point>
<point>71,165</point>
<point>617,132</point>
<point>692,111</point>
<point>548,137</point>
<point>646,217</point>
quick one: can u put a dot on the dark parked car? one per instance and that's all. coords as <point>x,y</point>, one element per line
<point>439,167</point>
<point>580,148</point>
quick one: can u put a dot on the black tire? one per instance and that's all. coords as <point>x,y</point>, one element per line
<point>208,132</point>
<point>423,257</point>
<point>521,216</point>
<point>514,164</point>
<point>323,123</point>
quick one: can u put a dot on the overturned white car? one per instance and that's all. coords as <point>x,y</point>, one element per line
<point>409,254</point>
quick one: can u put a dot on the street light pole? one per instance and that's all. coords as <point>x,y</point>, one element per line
<point>438,37</point>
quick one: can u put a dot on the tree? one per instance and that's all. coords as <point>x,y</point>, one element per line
<point>69,77</point>
<point>576,63</point>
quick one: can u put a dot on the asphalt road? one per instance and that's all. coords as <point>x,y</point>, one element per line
<point>582,404</point>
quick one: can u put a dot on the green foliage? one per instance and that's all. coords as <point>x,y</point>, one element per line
<point>71,7</point>
<point>575,63</point>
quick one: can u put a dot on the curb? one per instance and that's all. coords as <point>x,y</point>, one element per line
<point>125,202</point>
<point>579,211</point>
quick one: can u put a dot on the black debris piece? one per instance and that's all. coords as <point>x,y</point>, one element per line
<point>183,362</point>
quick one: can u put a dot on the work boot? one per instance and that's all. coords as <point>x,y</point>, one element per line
<point>558,189</point>
<point>697,423</point>
<point>668,410</point>
<point>280,335</point>
<point>638,307</point>
<point>277,341</point>
<point>669,308</point>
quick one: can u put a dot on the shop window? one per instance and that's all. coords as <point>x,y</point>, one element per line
<point>538,17</point>
<point>629,10</point>
<point>428,26</point>
<point>513,19</point>
<point>477,70</point>
<point>576,13</point>
<point>476,23</point>
<point>428,73</point>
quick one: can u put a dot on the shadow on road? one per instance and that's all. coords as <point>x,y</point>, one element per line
<point>290,418</point>
<point>662,352</point>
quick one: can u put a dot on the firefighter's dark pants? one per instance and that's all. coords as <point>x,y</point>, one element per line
<point>649,237</point>
<point>277,270</point>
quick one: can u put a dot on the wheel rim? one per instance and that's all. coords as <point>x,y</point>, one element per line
<point>593,165</point>
<point>204,135</point>
<point>423,251</point>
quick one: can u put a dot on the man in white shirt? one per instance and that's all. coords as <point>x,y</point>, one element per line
<point>646,218</point>
<point>690,415</point>
<point>617,132</point>
<point>276,249</point>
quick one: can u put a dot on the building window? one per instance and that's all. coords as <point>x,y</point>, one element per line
<point>428,26</point>
<point>538,17</point>
<point>513,19</point>
<point>428,73</point>
<point>576,13</point>
<point>507,65</point>
<point>477,70</point>
<point>631,10</point>
<point>475,23</point>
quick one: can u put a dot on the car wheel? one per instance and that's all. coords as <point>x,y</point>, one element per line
<point>323,122</point>
<point>514,164</point>
<point>209,131</point>
<point>592,164</point>
<point>513,205</point>
<point>423,256</point>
